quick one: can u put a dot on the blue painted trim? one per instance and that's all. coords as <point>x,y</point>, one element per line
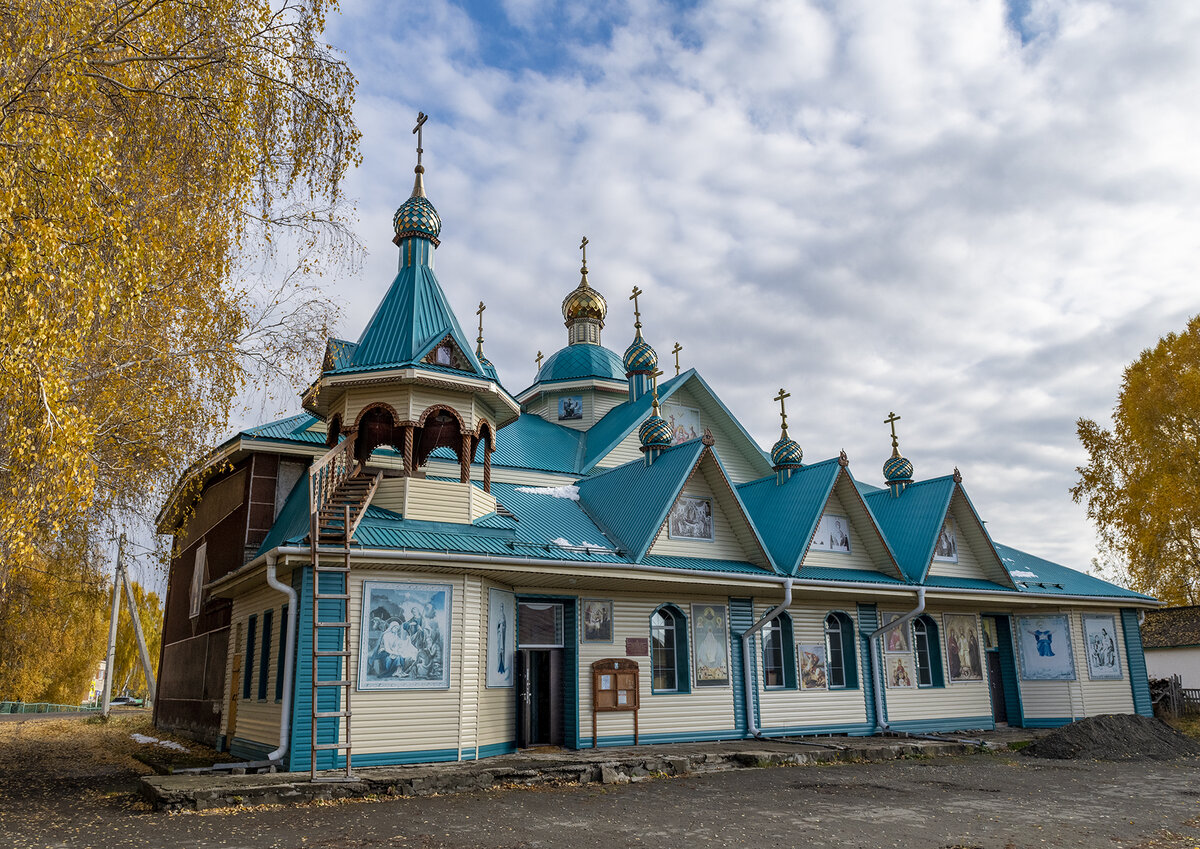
<point>1046,721</point>
<point>299,749</point>
<point>399,758</point>
<point>1136,657</point>
<point>853,729</point>
<point>493,749</point>
<point>952,723</point>
<point>250,750</point>
<point>741,617</point>
<point>667,737</point>
<point>868,621</point>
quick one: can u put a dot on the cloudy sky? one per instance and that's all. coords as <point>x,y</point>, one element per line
<point>972,212</point>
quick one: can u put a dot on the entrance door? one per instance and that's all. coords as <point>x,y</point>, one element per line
<point>991,642</point>
<point>539,688</point>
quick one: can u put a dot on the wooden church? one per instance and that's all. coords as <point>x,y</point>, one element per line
<point>424,566</point>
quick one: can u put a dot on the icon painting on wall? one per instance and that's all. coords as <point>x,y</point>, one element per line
<point>501,637</point>
<point>684,422</point>
<point>597,621</point>
<point>404,641</point>
<point>896,640</point>
<point>1100,641</point>
<point>712,645</point>
<point>570,407</point>
<point>833,534</point>
<point>812,667</point>
<point>946,547</point>
<point>900,671</point>
<point>1045,643</point>
<point>691,518</point>
<point>964,660</point>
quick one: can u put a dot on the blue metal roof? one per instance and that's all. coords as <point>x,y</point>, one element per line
<point>413,316</point>
<point>621,420</point>
<point>543,518</point>
<point>696,564</point>
<point>631,502</point>
<point>786,514</point>
<point>291,525</point>
<point>531,442</point>
<point>581,361</point>
<point>853,576</point>
<point>291,429</point>
<point>910,522</point>
<point>1038,575</point>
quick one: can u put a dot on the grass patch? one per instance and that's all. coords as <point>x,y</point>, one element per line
<point>1018,745</point>
<point>1189,725</point>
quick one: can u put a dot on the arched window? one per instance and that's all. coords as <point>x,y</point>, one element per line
<point>779,654</point>
<point>668,651</point>
<point>929,653</point>
<point>841,658</point>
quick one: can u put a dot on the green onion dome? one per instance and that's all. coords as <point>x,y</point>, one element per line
<point>897,469</point>
<point>655,433</point>
<point>417,217</point>
<point>786,453</point>
<point>640,357</point>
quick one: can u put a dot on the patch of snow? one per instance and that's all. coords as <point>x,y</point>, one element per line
<point>560,542</point>
<point>569,491</point>
<point>166,744</point>
<point>1016,573</point>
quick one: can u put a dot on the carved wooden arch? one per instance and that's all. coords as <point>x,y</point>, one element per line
<point>442,408</point>
<point>486,434</point>
<point>377,405</point>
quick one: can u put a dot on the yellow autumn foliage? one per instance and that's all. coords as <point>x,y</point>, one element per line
<point>127,663</point>
<point>1142,481</point>
<point>145,147</point>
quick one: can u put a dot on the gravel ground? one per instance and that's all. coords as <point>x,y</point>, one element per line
<point>53,799</point>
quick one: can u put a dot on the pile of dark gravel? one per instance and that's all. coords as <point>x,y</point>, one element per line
<point>1115,737</point>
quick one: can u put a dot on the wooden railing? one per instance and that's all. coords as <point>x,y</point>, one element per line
<point>328,473</point>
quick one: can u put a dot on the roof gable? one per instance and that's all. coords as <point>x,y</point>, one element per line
<point>735,536</point>
<point>621,421</point>
<point>974,555</point>
<point>910,521</point>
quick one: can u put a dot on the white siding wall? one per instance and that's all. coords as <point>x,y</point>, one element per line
<point>1083,696</point>
<point>1183,661</point>
<point>967,565</point>
<point>256,720</point>
<point>781,708</point>
<point>957,698</point>
<point>704,709</point>
<point>858,558</point>
<point>627,450</point>
<point>497,713</point>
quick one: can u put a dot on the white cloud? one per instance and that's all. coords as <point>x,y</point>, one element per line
<point>879,206</point>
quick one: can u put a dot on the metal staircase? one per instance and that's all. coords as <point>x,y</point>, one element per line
<point>339,492</point>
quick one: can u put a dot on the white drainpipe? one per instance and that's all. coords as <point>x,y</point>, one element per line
<point>748,687</point>
<point>289,658</point>
<point>873,645</point>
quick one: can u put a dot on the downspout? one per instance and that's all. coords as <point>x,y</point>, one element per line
<point>882,726</point>
<point>289,659</point>
<point>747,639</point>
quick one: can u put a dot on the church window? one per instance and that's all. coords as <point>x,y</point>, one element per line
<point>668,651</point>
<point>196,597</point>
<point>248,664</point>
<point>929,654</point>
<point>779,659</point>
<point>839,642</point>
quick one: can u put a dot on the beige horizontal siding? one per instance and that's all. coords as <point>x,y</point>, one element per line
<point>256,720</point>
<point>496,716</point>
<point>858,558</point>
<point>957,698</point>
<point>783,708</point>
<point>725,544</point>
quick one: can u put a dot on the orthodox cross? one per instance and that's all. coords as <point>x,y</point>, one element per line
<point>421,119</point>
<point>654,378</point>
<point>637,316</point>
<point>583,247</point>
<point>892,419</point>
<point>539,359</point>
<point>479,341</point>
<point>676,351</point>
<point>782,410</point>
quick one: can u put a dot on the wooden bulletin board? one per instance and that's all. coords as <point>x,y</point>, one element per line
<point>615,687</point>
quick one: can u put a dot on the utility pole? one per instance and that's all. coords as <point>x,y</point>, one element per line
<point>121,580</point>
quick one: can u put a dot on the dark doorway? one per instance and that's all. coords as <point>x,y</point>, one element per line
<point>539,673</point>
<point>995,632</point>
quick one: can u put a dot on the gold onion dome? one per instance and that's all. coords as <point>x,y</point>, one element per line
<point>584,302</point>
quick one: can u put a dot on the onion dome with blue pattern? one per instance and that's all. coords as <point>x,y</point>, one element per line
<point>786,453</point>
<point>655,432</point>
<point>640,358</point>
<point>416,216</point>
<point>488,368</point>
<point>897,469</point>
